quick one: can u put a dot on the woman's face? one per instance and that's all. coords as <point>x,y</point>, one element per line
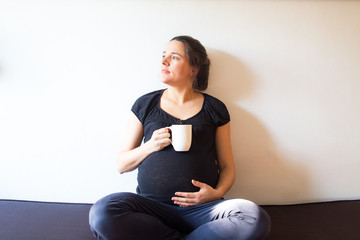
<point>175,67</point>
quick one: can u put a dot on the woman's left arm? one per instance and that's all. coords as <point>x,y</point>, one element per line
<point>225,159</point>
<point>226,174</point>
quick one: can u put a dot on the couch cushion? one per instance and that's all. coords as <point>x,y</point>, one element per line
<point>20,220</point>
<point>317,221</point>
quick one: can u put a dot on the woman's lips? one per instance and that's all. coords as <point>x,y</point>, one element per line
<point>165,71</point>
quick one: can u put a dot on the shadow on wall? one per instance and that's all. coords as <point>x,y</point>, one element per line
<point>263,174</point>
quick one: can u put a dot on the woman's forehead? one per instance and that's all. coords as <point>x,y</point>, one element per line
<point>175,47</point>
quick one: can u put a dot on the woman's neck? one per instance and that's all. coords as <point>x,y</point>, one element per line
<point>180,96</point>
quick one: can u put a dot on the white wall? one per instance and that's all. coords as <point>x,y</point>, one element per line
<point>289,72</point>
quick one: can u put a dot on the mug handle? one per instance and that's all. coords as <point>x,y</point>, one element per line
<point>170,127</point>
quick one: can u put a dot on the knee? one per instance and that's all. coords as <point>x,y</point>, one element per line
<point>252,214</point>
<point>262,221</point>
<point>98,214</point>
<point>103,211</point>
<point>263,224</point>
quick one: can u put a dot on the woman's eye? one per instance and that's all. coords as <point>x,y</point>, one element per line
<point>175,58</point>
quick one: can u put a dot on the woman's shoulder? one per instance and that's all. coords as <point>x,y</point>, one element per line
<point>216,109</point>
<point>144,104</point>
<point>149,99</point>
<point>212,101</point>
<point>151,95</point>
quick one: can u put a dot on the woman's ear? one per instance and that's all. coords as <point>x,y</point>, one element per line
<point>194,71</point>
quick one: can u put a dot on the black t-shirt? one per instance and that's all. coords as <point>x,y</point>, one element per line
<point>165,172</point>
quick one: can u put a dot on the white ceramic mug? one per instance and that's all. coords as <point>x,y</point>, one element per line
<point>181,135</point>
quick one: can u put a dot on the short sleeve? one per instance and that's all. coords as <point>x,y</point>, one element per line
<point>144,104</point>
<point>138,110</point>
<point>218,111</point>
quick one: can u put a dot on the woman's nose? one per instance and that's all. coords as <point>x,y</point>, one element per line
<point>165,61</point>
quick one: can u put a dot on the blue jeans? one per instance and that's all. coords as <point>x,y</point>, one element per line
<point>131,216</point>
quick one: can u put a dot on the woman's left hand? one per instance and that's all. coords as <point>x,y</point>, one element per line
<point>205,194</point>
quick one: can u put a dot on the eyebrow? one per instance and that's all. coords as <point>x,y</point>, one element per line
<point>174,53</point>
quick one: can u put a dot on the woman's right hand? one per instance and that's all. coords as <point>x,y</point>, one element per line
<point>160,139</point>
<point>132,152</point>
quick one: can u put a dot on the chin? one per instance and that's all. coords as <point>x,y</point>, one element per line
<point>165,80</point>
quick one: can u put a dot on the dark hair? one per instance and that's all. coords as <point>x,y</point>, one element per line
<point>198,58</point>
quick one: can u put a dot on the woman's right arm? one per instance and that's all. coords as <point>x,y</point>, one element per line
<point>132,152</point>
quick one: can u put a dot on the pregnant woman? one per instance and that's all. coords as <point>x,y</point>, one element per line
<point>179,194</point>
